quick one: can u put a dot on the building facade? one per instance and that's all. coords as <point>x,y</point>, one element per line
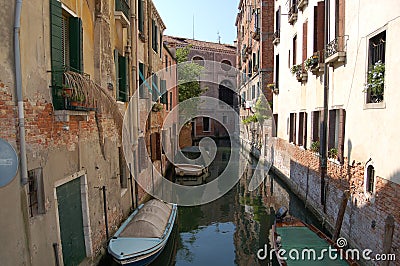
<point>79,67</point>
<point>345,85</point>
<point>218,80</point>
<point>255,61</point>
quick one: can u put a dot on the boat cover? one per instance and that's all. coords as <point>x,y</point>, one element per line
<point>301,237</point>
<point>150,222</point>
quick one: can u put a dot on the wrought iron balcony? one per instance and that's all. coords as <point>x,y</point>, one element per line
<point>302,4</point>
<point>122,6</point>
<point>335,51</point>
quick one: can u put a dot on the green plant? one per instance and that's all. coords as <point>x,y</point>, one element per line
<point>332,153</point>
<point>315,146</point>
<point>78,96</point>
<point>311,62</point>
<point>295,69</point>
<point>376,82</point>
<point>249,119</point>
<point>271,86</point>
<point>157,107</point>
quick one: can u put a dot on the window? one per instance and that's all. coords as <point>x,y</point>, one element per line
<point>170,101</point>
<point>294,47</point>
<point>36,192</point>
<point>66,38</point>
<point>155,91</point>
<point>123,171</point>
<point>122,79</point>
<point>154,36</point>
<point>278,22</point>
<point>155,146</point>
<point>142,154</point>
<point>164,93</point>
<point>166,63</point>
<point>226,65</point>
<point>198,60</point>
<point>225,119</point>
<point>315,121</point>
<point>319,26</point>
<point>304,50</point>
<point>140,15</point>
<point>275,125</point>
<point>302,137</point>
<point>277,71</point>
<point>253,91</point>
<point>206,124</point>
<point>250,69</point>
<point>376,68</point>
<point>292,128</point>
<point>369,178</point>
<point>142,89</point>
<point>336,132</point>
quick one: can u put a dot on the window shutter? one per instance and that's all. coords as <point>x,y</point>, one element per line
<point>305,130</point>
<point>158,146</point>
<point>164,93</point>
<point>142,154</point>
<point>170,101</point>
<point>331,129</point>
<point>140,7</point>
<point>305,24</point>
<point>161,44</point>
<point>122,89</point>
<point>116,57</point>
<point>57,60</point>
<point>75,44</point>
<point>342,125</point>
<point>320,25</point>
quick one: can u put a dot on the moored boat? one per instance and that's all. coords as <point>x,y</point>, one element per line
<point>189,169</point>
<point>291,235</point>
<point>143,236</point>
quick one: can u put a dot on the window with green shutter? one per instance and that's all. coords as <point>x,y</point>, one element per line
<point>155,90</point>
<point>121,77</point>
<point>66,41</point>
<point>164,93</point>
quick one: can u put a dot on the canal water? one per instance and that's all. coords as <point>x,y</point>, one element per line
<point>232,229</point>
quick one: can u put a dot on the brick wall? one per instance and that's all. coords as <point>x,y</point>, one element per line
<point>302,168</point>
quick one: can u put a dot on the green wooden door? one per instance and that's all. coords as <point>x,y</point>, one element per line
<point>71,222</point>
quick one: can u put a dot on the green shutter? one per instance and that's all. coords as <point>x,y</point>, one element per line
<point>76,44</point>
<point>122,89</point>
<point>57,59</point>
<point>140,7</point>
<point>164,93</point>
<point>116,57</point>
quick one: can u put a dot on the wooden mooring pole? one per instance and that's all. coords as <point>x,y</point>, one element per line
<point>388,237</point>
<point>342,210</point>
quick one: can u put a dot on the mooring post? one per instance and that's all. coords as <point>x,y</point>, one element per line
<point>342,210</point>
<point>388,237</point>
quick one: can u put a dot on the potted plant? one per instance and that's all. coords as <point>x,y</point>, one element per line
<point>295,69</point>
<point>376,82</point>
<point>311,62</point>
<point>315,146</point>
<point>157,107</point>
<point>333,153</point>
<point>77,99</point>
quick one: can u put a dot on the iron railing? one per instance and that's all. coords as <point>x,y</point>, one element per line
<point>335,46</point>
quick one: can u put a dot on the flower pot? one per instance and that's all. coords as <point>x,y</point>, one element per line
<point>67,92</point>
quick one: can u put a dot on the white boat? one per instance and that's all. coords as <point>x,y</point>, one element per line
<point>143,236</point>
<point>190,169</point>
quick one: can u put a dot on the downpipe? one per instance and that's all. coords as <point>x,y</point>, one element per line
<point>18,81</point>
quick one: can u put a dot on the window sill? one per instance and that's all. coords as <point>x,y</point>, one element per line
<point>381,105</point>
<point>64,115</point>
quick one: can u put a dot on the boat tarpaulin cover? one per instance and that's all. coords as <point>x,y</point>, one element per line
<point>150,222</point>
<point>300,238</point>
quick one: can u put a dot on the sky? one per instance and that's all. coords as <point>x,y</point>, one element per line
<point>210,17</point>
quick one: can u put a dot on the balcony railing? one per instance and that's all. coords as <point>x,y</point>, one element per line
<point>335,50</point>
<point>302,4</point>
<point>277,35</point>
<point>122,5</point>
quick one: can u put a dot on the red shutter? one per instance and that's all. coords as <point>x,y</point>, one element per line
<point>320,25</point>
<point>305,41</point>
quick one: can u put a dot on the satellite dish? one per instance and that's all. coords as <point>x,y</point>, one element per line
<point>8,163</point>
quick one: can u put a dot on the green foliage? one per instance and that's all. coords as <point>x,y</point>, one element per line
<point>249,119</point>
<point>333,153</point>
<point>311,62</point>
<point>262,110</point>
<point>295,69</point>
<point>188,75</point>
<point>376,81</point>
<point>315,146</point>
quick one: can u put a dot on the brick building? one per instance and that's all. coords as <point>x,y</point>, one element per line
<point>219,80</point>
<point>80,63</point>
<point>255,61</point>
<point>360,120</point>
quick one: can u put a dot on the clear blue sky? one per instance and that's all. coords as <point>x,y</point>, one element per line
<point>210,17</point>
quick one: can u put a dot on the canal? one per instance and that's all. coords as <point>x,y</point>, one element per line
<point>231,229</point>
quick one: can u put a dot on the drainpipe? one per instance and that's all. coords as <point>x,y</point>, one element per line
<point>18,80</point>
<point>324,128</point>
